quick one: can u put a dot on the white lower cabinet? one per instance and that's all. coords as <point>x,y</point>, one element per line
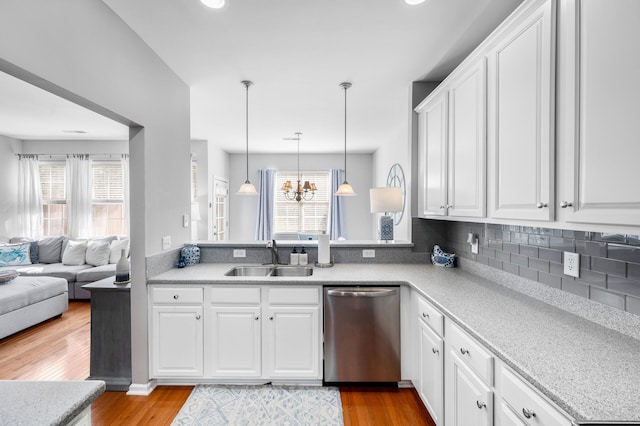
<point>236,334</point>
<point>431,370</point>
<point>176,332</point>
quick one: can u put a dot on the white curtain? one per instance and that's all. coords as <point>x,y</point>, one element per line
<point>79,209</point>
<point>29,197</point>
<point>124,163</point>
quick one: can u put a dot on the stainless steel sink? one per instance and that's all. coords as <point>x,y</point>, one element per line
<point>292,271</point>
<point>249,271</point>
<point>269,271</point>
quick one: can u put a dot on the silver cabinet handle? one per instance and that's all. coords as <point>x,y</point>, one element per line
<point>441,207</point>
<point>175,296</point>
<point>271,318</point>
<point>481,405</point>
<point>257,318</point>
<point>565,204</point>
<point>425,315</point>
<point>528,413</point>
<point>197,317</point>
<point>449,206</point>
<point>435,351</point>
<point>464,351</point>
<point>541,205</point>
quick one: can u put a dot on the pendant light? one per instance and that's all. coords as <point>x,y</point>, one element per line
<point>302,192</point>
<point>345,190</point>
<point>247,187</point>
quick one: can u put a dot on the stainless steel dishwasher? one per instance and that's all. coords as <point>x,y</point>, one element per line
<point>361,334</point>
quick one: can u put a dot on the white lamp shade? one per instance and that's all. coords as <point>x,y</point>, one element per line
<point>386,199</point>
<point>214,4</point>
<point>345,190</point>
<point>414,2</point>
<point>247,188</point>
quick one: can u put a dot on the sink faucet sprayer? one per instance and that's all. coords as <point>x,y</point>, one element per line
<point>274,251</point>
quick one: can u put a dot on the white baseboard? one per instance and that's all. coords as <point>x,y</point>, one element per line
<point>142,389</point>
<point>405,384</point>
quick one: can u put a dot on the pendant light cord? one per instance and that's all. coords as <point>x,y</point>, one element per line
<point>345,132</point>
<point>247,84</point>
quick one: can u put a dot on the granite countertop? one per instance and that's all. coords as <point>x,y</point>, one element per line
<point>590,371</point>
<point>46,402</point>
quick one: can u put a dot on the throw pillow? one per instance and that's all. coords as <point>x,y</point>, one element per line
<point>7,275</point>
<point>75,253</point>
<point>98,253</point>
<point>15,254</point>
<point>50,249</point>
<point>33,250</point>
<point>116,250</point>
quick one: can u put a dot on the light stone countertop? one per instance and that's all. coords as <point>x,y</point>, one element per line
<point>26,402</point>
<point>590,371</point>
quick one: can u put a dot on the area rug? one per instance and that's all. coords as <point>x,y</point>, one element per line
<point>261,405</point>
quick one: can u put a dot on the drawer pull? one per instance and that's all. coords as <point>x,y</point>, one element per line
<point>175,296</point>
<point>197,317</point>
<point>565,204</point>
<point>435,351</point>
<point>271,318</point>
<point>541,205</point>
<point>481,405</point>
<point>257,318</point>
<point>528,413</point>
<point>425,315</point>
<point>464,351</point>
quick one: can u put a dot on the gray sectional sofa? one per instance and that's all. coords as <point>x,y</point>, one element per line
<point>49,262</point>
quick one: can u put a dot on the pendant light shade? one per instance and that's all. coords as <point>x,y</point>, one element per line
<point>345,190</point>
<point>247,187</point>
<point>214,4</point>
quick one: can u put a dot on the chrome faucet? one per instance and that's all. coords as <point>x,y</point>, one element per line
<point>274,251</point>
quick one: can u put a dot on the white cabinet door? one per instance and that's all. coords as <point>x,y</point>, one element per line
<point>506,417</point>
<point>468,401</point>
<point>467,143</point>
<point>432,151</point>
<point>235,346</point>
<point>521,98</point>
<point>431,376</point>
<point>177,338</point>
<point>292,342</point>
<point>599,92</point>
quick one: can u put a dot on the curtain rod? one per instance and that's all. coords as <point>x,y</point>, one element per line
<point>66,155</point>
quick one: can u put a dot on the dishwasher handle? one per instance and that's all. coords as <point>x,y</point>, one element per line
<point>362,292</point>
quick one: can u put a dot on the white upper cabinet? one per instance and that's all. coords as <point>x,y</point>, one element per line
<point>452,141</point>
<point>467,142</point>
<point>521,97</point>
<point>432,151</point>
<point>598,89</point>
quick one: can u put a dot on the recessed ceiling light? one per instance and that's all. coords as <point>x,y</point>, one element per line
<point>414,2</point>
<point>74,131</point>
<point>214,4</point>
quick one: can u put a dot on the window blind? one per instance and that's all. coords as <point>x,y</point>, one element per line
<point>305,216</point>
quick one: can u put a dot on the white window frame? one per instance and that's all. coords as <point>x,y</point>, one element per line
<point>59,187</point>
<point>114,197</point>
<point>299,221</point>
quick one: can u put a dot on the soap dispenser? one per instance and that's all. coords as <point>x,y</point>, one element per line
<point>294,258</point>
<point>304,259</point>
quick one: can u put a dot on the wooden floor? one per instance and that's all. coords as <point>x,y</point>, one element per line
<point>58,349</point>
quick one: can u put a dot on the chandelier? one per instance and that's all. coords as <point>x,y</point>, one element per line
<point>301,192</point>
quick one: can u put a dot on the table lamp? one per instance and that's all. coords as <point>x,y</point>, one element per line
<point>386,200</point>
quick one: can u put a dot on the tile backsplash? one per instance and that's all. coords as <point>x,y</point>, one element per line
<point>609,263</point>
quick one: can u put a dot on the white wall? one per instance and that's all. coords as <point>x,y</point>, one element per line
<point>9,147</point>
<point>243,209</point>
<point>201,156</point>
<point>113,147</point>
<point>81,50</point>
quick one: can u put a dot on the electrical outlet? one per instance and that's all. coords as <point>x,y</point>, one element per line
<point>239,253</point>
<point>572,264</point>
<point>369,253</point>
<point>166,242</point>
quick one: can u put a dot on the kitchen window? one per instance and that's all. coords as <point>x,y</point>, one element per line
<point>304,216</point>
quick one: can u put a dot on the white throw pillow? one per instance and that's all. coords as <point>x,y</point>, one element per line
<point>116,250</point>
<point>98,253</point>
<point>74,253</point>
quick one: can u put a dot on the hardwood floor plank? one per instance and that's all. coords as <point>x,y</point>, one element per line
<point>59,349</point>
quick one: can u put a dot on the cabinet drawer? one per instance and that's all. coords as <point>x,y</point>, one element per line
<point>176,295</point>
<point>235,295</point>
<point>470,352</point>
<point>294,295</point>
<point>531,408</point>
<point>431,316</point>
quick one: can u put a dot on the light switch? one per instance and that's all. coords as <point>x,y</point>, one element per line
<point>166,242</point>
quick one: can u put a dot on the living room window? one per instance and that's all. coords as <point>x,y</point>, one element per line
<point>107,199</point>
<point>54,200</point>
<point>304,216</point>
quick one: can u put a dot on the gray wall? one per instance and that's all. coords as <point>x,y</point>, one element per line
<point>82,51</point>
<point>243,209</point>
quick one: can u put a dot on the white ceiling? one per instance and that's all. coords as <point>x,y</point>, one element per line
<point>297,52</point>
